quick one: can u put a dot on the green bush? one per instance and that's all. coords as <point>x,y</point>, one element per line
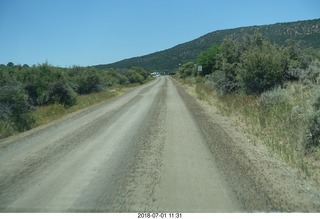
<point>62,93</point>
<point>134,77</point>
<point>37,80</point>
<point>312,131</point>
<point>255,65</point>
<point>15,107</point>
<point>141,72</point>
<point>208,59</point>
<point>312,134</point>
<point>312,73</point>
<point>227,59</point>
<point>294,74</point>
<point>38,92</point>
<point>91,83</point>
<point>277,96</point>
<point>187,69</point>
<point>262,68</point>
<point>122,79</point>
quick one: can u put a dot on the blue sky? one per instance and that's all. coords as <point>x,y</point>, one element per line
<point>90,32</point>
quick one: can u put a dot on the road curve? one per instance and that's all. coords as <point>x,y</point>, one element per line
<point>143,151</point>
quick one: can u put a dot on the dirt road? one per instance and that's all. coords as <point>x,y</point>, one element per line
<point>154,149</point>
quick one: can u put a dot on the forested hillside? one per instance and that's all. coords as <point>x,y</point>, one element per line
<point>307,33</point>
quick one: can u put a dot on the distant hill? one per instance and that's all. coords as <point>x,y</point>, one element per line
<point>306,32</point>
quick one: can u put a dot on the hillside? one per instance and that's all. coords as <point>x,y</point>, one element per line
<point>305,32</point>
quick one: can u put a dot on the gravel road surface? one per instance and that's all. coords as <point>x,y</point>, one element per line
<point>154,149</point>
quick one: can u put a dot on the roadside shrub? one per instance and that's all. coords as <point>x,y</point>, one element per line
<point>277,96</point>
<point>187,69</point>
<point>62,93</point>
<point>293,74</point>
<point>208,58</point>
<point>222,83</point>
<point>141,72</point>
<point>312,134</point>
<point>262,68</point>
<point>134,77</point>
<point>90,84</point>
<point>24,121</point>
<point>38,92</point>
<point>255,65</point>
<point>15,106</point>
<point>112,79</point>
<point>6,129</point>
<point>227,62</point>
<point>123,80</point>
<point>312,73</point>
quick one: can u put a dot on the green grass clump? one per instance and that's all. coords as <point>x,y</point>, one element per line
<point>46,114</point>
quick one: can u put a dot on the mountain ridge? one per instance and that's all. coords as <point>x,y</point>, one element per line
<point>306,32</point>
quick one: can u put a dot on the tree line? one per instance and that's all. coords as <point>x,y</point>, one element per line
<point>253,65</point>
<point>23,88</point>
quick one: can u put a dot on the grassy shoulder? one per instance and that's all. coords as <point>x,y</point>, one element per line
<point>45,114</point>
<point>42,115</point>
<point>281,125</point>
<point>49,113</point>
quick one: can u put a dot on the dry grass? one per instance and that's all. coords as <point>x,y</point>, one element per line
<point>46,114</point>
<point>281,127</point>
<point>49,113</point>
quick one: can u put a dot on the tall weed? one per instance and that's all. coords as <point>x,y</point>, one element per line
<point>278,118</point>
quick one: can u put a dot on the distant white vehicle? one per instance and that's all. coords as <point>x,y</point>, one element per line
<point>155,74</point>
